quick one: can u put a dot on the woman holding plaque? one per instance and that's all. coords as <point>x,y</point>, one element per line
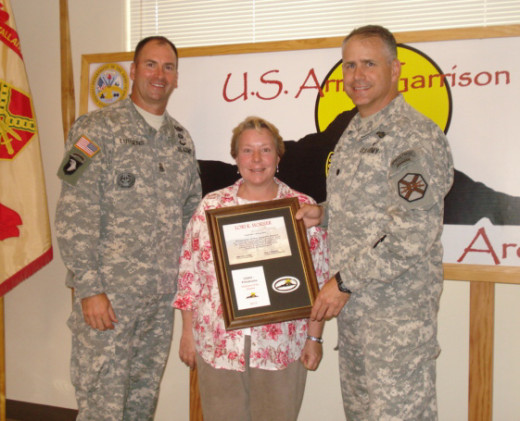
<point>256,373</point>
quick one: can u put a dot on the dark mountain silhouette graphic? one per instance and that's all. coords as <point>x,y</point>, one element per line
<point>303,168</point>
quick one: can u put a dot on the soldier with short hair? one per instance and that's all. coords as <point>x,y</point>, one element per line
<point>129,187</point>
<point>387,180</point>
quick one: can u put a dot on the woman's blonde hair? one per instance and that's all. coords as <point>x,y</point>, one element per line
<point>256,123</point>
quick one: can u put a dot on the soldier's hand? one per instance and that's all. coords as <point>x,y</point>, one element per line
<point>312,215</point>
<point>98,312</point>
<point>329,302</point>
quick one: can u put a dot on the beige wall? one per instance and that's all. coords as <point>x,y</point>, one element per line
<point>37,339</point>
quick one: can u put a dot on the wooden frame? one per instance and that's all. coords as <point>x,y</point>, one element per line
<point>281,283</point>
<point>482,278</point>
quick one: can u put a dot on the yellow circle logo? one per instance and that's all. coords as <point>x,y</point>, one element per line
<point>422,84</point>
<point>109,84</point>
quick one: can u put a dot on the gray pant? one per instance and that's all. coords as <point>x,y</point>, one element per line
<point>117,372</point>
<point>387,366</point>
<point>252,395</point>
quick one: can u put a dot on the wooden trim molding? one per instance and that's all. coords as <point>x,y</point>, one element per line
<point>26,411</point>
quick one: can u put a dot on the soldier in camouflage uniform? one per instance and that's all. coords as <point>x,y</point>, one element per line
<point>130,186</point>
<point>389,174</point>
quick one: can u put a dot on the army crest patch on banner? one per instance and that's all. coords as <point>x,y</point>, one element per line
<point>109,84</point>
<point>17,123</point>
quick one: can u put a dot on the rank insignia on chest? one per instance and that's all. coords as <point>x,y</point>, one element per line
<point>371,149</point>
<point>184,149</point>
<point>125,180</point>
<point>182,141</point>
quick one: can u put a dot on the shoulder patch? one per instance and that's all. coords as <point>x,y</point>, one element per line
<point>412,187</point>
<point>410,181</point>
<point>402,159</point>
<point>77,160</point>
<point>86,145</point>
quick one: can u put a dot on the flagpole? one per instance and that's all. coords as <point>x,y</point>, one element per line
<point>68,105</point>
<point>2,360</point>
<point>67,79</point>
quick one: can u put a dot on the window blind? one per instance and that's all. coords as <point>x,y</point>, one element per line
<point>191,23</point>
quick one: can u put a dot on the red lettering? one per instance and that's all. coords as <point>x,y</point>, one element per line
<point>272,82</point>
<point>405,83</point>
<point>437,76</point>
<point>243,94</point>
<point>504,73</point>
<point>465,79</point>
<point>418,82</point>
<point>504,249</point>
<point>487,78</point>
<point>316,85</point>
<point>337,82</point>
<point>480,233</point>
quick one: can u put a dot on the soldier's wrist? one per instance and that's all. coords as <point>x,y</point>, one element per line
<point>341,286</point>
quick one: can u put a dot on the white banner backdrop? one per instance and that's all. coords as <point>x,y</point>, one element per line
<point>216,92</point>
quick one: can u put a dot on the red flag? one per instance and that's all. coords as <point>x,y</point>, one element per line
<point>25,236</point>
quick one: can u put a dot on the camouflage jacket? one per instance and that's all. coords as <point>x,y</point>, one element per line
<point>128,192</point>
<point>385,189</point>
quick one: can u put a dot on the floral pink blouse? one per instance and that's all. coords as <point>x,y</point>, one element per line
<point>273,346</point>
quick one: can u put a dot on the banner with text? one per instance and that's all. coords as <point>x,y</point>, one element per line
<point>468,87</point>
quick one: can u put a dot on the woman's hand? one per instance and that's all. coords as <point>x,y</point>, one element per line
<point>311,355</point>
<point>313,350</point>
<point>187,351</point>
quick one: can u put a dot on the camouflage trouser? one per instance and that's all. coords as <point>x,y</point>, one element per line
<point>387,366</point>
<point>117,372</point>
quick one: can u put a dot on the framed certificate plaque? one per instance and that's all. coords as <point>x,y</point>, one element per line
<point>263,263</point>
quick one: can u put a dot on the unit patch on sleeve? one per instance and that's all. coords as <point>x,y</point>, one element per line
<point>77,160</point>
<point>412,187</point>
<point>410,181</point>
